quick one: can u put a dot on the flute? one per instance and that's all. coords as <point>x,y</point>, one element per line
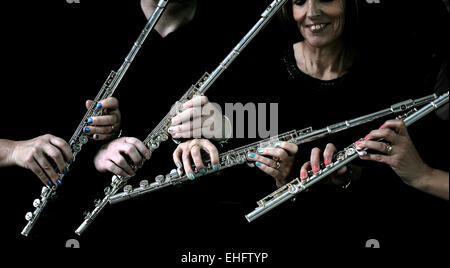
<point>79,138</point>
<point>342,159</point>
<point>239,156</point>
<point>159,133</point>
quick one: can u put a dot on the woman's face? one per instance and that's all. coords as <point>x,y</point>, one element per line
<point>321,22</point>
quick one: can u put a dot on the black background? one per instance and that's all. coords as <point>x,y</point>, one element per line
<point>56,55</point>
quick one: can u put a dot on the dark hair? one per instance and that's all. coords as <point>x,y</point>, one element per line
<point>350,27</point>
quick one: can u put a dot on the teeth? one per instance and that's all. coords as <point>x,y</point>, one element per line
<point>317,26</point>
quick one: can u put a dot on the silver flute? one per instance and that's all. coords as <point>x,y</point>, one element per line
<point>239,156</point>
<point>342,159</point>
<point>159,133</point>
<point>79,138</point>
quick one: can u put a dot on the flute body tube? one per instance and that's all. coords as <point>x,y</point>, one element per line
<point>343,158</point>
<point>238,156</point>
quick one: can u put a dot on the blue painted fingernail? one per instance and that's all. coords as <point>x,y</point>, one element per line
<point>90,121</point>
<point>86,130</point>
<point>251,155</point>
<point>258,164</point>
<point>192,176</point>
<point>49,183</point>
<point>95,137</point>
<point>278,144</point>
<point>99,106</point>
<point>70,161</point>
<point>59,182</point>
<point>179,165</point>
<point>203,171</point>
<point>65,171</point>
<point>260,151</point>
<point>215,167</point>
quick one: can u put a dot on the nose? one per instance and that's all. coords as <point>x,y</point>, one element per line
<point>313,8</point>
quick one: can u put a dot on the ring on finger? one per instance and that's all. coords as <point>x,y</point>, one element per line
<point>388,149</point>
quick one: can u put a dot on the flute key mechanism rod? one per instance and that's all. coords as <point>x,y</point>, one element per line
<point>79,138</point>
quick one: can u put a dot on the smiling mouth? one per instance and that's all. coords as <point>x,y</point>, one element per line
<point>315,28</point>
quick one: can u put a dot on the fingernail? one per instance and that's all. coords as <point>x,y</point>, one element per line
<point>203,171</point>
<point>278,144</point>
<point>327,161</point>
<point>70,161</point>
<point>95,137</point>
<point>179,165</point>
<point>382,127</point>
<point>65,171</point>
<point>251,155</point>
<point>192,176</point>
<point>49,183</point>
<point>303,175</point>
<point>260,151</point>
<point>215,167</point>
<point>86,130</point>
<point>358,142</point>
<point>90,121</point>
<point>59,182</point>
<point>367,137</point>
<point>258,164</point>
<point>99,105</point>
<point>315,169</point>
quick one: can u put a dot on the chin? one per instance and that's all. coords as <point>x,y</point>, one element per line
<point>318,42</point>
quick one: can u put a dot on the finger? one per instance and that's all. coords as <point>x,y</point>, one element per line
<point>195,123</point>
<point>140,146</point>
<point>131,151</point>
<point>277,153</point>
<point>290,148</point>
<point>342,171</point>
<point>197,157</point>
<point>177,156</point>
<point>259,158</point>
<point>187,115</point>
<point>315,159</point>
<point>267,169</point>
<point>328,153</point>
<point>104,120</point>
<point>110,103</point>
<point>374,145</point>
<point>103,137</point>
<point>39,172</point>
<point>64,147</point>
<point>47,168</point>
<point>90,130</point>
<point>213,153</point>
<point>397,125</point>
<point>304,170</point>
<point>122,163</point>
<point>186,156</point>
<point>113,168</point>
<point>376,157</point>
<point>55,154</point>
<point>89,104</point>
<point>385,133</point>
<point>196,101</point>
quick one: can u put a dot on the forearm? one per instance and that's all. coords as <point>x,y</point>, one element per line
<point>434,182</point>
<point>6,149</point>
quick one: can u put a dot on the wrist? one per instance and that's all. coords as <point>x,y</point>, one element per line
<point>7,153</point>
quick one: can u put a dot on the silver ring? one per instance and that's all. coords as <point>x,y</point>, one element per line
<point>277,167</point>
<point>388,149</point>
